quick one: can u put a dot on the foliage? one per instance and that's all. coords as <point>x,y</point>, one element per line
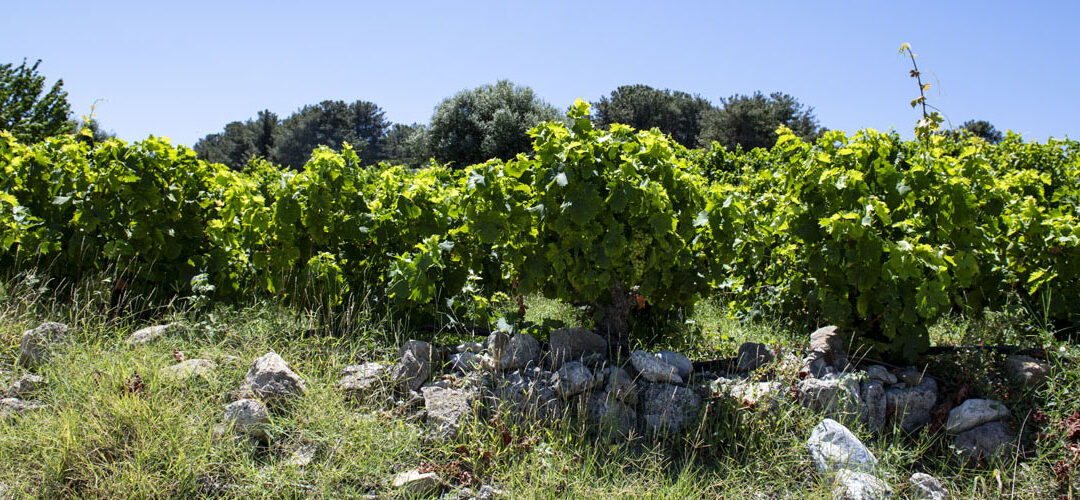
<point>490,121</point>
<point>27,110</point>
<point>675,113</point>
<point>331,123</point>
<point>406,145</point>
<point>240,142</point>
<point>984,129</point>
<point>750,122</point>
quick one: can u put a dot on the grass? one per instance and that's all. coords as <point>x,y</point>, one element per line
<point>97,439</point>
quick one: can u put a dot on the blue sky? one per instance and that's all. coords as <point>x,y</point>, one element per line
<point>184,69</point>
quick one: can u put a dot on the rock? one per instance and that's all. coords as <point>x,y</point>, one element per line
<point>872,408</point>
<point>973,413</point>
<point>911,407</point>
<point>752,355</point>
<point>878,372</point>
<point>528,395</point>
<point>6,492</point>
<point>489,492</point>
<point>667,409</point>
<point>748,393</point>
<point>471,347</point>
<point>826,352</point>
<point>421,350</point>
<point>520,352</point>
<point>572,379</point>
<point>37,344</point>
<point>832,396</point>
<point>572,344</point>
<point>927,487</point>
<point>270,378</point>
<point>621,386</point>
<point>1026,370</point>
<point>152,333</point>
<point>856,485</point>
<point>417,484</point>
<point>188,369</point>
<point>301,456</point>
<point>447,409</point>
<point>984,441</point>
<point>496,341</point>
<point>606,410</point>
<point>911,376</point>
<point>654,369</point>
<point>682,364</point>
<point>833,447</point>
<point>464,362</point>
<point>27,384</point>
<point>12,406</point>
<point>247,416</point>
<point>361,380</point>
<point>411,373</point>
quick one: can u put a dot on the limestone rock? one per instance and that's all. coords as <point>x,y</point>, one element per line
<point>301,456</point>
<point>752,355</point>
<point>447,409</point>
<point>911,376</point>
<point>361,380</point>
<point>411,372</point>
<point>1026,370</point>
<point>420,350</point>
<point>528,395</point>
<point>833,447</point>
<point>973,413</point>
<point>188,369</point>
<point>927,487</point>
<point>464,362</point>
<point>271,378</point>
<point>881,373</point>
<point>621,386</point>
<point>606,410</point>
<point>26,385</point>
<point>12,406</point>
<point>37,344</point>
<point>667,409</point>
<point>471,347</point>
<point>572,344</point>
<point>911,407</point>
<point>984,441</point>
<point>416,484</point>
<point>572,379</point>
<point>826,353</point>
<point>836,397</point>
<point>749,393</point>
<point>682,364</point>
<point>654,369</point>
<point>857,485</point>
<point>247,416</point>
<point>872,407</point>
<point>152,333</point>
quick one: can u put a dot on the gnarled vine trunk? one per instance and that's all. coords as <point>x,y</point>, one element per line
<point>613,320</point>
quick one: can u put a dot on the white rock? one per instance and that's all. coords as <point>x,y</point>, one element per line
<point>446,408</point>
<point>37,344</point>
<point>681,363</point>
<point>927,487</point>
<point>473,347</point>
<point>415,483</point>
<point>26,385</point>
<point>654,369</point>
<point>826,353</point>
<point>361,380</point>
<point>881,373</point>
<point>520,352</point>
<point>247,416</point>
<point>572,379</point>
<point>984,441</point>
<point>152,333</point>
<point>411,372</point>
<point>974,412</point>
<point>911,407</point>
<point>465,362</point>
<point>188,369</point>
<point>833,447</point>
<point>301,456</point>
<point>667,409</point>
<point>857,485</point>
<point>270,377</point>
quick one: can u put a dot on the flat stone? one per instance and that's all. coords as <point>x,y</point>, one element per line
<point>464,362</point>
<point>528,395</point>
<point>873,407</point>
<point>927,487</point>
<point>271,378</point>
<point>152,333</point>
<point>247,416</point>
<point>857,485</point>
<point>878,372</point>
<point>606,410</point>
<point>573,378</point>
<point>667,409</point>
<point>520,352</point>
<point>420,350</point>
<point>654,369</point>
<point>410,373</point>
<point>36,345</point>
<point>752,355</point>
<point>188,369</point>
<point>826,352</point>
<point>415,483</point>
<point>362,380</point>
<point>447,409</point>
<point>833,447</point>
<point>682,364</point>
<point>910,408</point>
<point>302,456</point>
<point>26,385</point>
<point>572,344</point>
<point>749,393</point>
<point>12,406</point>
<point>973,413</point>
<point>835,397</point>
<point>985,441</point>
<point>1026,370</point>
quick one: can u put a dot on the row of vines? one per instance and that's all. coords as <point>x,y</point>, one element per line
<point>871,232</point>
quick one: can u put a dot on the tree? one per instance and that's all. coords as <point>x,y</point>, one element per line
<point>239,142</point>
<point>675,113</point>
<point>26,109</point>
<point>984,129</point>
<point>406,145</point>
<point>362,124</point>
<point>751,121</point>
<point>491,121</point>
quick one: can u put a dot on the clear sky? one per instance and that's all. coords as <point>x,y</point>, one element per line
<point>184,69</point>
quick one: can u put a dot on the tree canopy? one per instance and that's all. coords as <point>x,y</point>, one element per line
<point>29,111</point>
<point>490,121</point>
<point>675,113</point>
<point>984,129</point>
<point>751,121</point>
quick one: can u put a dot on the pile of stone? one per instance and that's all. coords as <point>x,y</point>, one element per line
<point>36,347</point>
<point>269,384</point>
